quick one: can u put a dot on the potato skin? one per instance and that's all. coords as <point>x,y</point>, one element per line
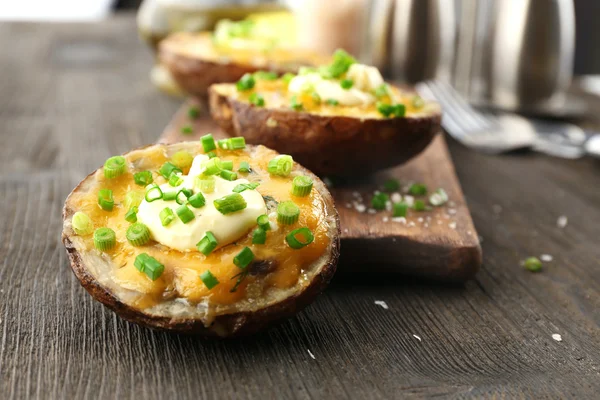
<point>225,325</point>
<point>327,145</point>
<point>195,75</point>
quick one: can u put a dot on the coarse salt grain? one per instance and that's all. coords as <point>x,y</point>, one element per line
<point>360,208</point>
<point>399,219</point>
<point>388,205</point>
<point>417,337</point>
<point>382,303</point>
<point>409,200</point>
<point>452,211</point>
<point>452,225</point>
<point>356,194</point>
<point>348,205</point>
<point>396,197</point>
<point>557,337</point>
<point>497,208</point>
<point>385,219</point>
<point>345,230</point>
<point>546,257</point>
<point>562,221</point>
<point>420,219</point>
<point>371,211</point>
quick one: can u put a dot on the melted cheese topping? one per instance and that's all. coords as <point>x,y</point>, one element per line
<point>181,278</point>
<point>278,94</point>
<point>226,228</point>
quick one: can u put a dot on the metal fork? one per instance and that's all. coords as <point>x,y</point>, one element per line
<point>482,130</point>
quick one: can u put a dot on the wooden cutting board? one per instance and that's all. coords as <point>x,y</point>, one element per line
<point>440,244</point>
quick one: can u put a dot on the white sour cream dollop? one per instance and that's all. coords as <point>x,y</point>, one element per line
<point>226,228</point>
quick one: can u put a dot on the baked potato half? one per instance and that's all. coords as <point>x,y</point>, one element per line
<point>215,269</point>
<point>197,60</point>
<point>342,119</point>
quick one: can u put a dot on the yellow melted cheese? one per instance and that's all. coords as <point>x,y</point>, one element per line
<point>182,269</point>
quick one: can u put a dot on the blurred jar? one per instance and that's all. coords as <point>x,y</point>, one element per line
<point>326,25</point>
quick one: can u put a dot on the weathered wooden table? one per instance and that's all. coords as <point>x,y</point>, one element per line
<point>72,95</point>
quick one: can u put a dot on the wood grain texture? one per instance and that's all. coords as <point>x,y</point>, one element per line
<point>76,94</point>
<point>438,244</point>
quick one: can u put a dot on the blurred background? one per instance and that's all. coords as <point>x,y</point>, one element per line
<point>534,58</point>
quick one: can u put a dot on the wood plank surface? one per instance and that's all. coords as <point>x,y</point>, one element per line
<point>441,243</point>
<point>75,94</point>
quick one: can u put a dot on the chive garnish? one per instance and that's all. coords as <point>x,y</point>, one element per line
<point>299,238</point>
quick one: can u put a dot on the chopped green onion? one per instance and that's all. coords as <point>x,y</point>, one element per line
<point>333,102</point>
<point>391,185</point>
<point>166,216</point>
<point>281,165</point>
<point>183,196</point>
<point>182,159</point>
<point>234,143</point>
<point>207,244</point>
<point>167,169</point>
<point>209,280</point>
<point>382,90</point>
<point>131,214</point>
<point>340,65</point>
<point>132,199</point>
<point>245,186</point>
<point>417,102</point>
<point>244,167</point>
<point>265,75</point>
<point>187,130</point>
<point>227,164</point>
<point>153,193</point>
<point>228,175</point>
<point>237,143</point>
<point>184,214</point>
<point>212,166</point>
<point>243,258</point>
<point>206,184</point>
<point>388,110</point>
<point>230,203</point>
<point>287,213</point>
<point>256,99</point>
<point>169,196</point>
<point>287,77</point>
<point>533,264</point>
<point>316,98</point>
<point>419,205</point>
<point>295,105</point>
<point>138,234</point>
<point>346,84</point>
<point>143,178</point>
<point>208,143</point>
<point>259,236</point>
<point>246,82</point>
<point>379,201</point>
<point>104,239</point>
<point>302,186</point>
<point>438,198</point>
<point>263,222</point>
<point>197,200</point>
<point>211,154</point>
<point>175,179</point>
<point>298,238</point>
<point>304,70</point>
<point>114,166</point>
<point>149,265</point>
<point>82,224</point>
<point>418,189</point>
<point>398,110</point>
<point>399,209</point>
<point>105,199</point>
<point>193,112</point>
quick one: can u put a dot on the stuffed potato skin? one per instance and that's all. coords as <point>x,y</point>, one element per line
<point>226,324</point>
<point>326,144</point>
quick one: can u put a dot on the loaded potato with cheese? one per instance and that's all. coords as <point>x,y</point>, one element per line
<point>337,119</point>
<point>210,237</point>
<point>197,60</point>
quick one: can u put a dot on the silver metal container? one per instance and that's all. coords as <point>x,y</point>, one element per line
<point>515,54</point>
